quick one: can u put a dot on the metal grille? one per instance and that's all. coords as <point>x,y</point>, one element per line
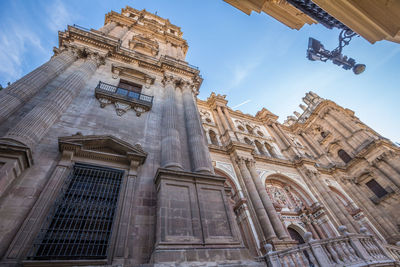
<point>317,13</point>
<point>80,223</point>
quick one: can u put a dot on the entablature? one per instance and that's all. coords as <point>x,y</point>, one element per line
<point>113,49</point>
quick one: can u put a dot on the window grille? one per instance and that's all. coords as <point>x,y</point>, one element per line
<point>376,188</point>
<point>344,156</point>
<point>80,223</point>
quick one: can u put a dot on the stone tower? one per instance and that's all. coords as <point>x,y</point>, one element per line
<point>102,156</point>
<point>107,157</point>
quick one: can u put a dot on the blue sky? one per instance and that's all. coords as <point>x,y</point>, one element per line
<point>255,60</point>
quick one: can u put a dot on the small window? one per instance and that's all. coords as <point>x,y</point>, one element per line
<point>324,134</point>
<point>249,129</point>
<point>213,138</point>
<point>247,140</point>
<point>241,128</point>
<point>344,156</point>
<point>270,150</point>
<point>260,147</point>
<point>376,188</point>
<point>260,133</point>
<point>129,89</point>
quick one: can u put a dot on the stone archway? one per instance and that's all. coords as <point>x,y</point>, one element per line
<point>295,235</point>
<point>296,205</point>
<point>239,207</point>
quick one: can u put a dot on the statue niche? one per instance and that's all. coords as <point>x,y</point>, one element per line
<point>144,44</point>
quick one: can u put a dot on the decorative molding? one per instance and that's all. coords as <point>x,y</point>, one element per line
<point>102,147</point>
<point>133,74</point>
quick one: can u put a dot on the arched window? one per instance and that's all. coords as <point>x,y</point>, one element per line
<point>213,138</point>
<point>295,235</point>
<point>260,147</point>
<point>240,127</point>
<point>270,150</point>
<point>249,129</point>
<point>344,156</point>
<point>247,141</point>
<point>376,188</point>
<point>260,133</point>
<point>324,134</point>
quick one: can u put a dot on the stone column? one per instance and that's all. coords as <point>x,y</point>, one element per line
<point>289,146</point>
<point>37,122</point>
<point>375,214</point>
<point>269,207</point>
<point>391,169</point>
<point>170,142</point>
<point>197,148</point>
<point>280,134</point>
<point>108,27</point>
<point>118,31</point>
<point>331,200</point>
<point>316,147</point>
<point>316,226</point>
<point>262,216</point>
<point>310,144</point>
<point>331,121</point>
<point>311,228</point>
<point>222,119</point>
<point>387,170</point>
<point>334,116</point>
<point>122,33</point>
<point>231,124</point>
<point>15,95</point>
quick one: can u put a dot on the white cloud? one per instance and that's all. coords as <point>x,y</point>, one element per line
<point>15,41</point>
<point>58,16</point>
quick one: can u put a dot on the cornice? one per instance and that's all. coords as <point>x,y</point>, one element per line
<point>113,49</point>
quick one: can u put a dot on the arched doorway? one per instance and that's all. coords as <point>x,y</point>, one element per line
<point>295,235</point>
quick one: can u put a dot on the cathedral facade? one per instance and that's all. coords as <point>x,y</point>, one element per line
<point>107,157</point>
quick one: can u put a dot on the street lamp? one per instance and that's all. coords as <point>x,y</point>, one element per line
<point>316,51</point>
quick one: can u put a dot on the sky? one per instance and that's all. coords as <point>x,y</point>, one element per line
<point>255,60</point>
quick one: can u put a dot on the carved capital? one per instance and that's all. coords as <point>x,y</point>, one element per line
<point>169,80</point>
<point>241,160</point>
<point>312,173</point>
<point>251,163</point>
<point>64,48</point>
<point>96,57</point>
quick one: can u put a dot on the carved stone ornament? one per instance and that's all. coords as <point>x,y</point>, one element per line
<point>121,108</point>
<point>139,111</point>
<point>102,147</point>
<point>104,102</point>
<point>132,74</point>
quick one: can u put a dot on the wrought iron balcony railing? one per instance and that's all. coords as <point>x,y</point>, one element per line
<point>123,99</point>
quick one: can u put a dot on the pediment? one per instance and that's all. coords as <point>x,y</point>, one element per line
<point>105,147</point>
<point>133,74</point>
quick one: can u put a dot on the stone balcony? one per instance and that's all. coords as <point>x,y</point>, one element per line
<point>122,99</point>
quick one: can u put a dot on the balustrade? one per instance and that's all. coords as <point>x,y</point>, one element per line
<point>347,250</point>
